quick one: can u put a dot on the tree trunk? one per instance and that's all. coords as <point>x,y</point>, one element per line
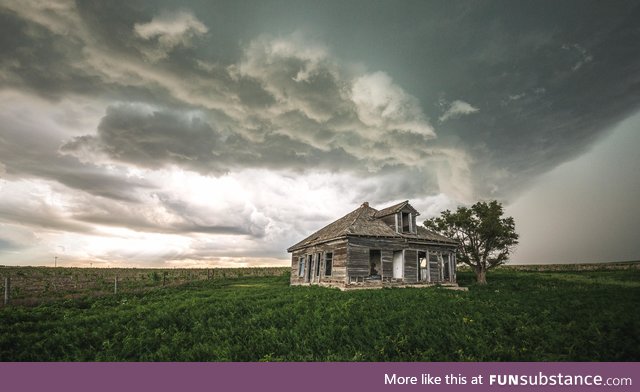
<point>481,275</point>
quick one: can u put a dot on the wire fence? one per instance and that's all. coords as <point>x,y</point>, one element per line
<point>31,286</point>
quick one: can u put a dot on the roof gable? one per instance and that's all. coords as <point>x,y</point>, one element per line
<point>396,208</point>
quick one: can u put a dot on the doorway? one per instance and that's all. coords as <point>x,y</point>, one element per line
<point>447,267</point>
<point>375,264</point>
<point>423,265</point>
<point>398,261</point>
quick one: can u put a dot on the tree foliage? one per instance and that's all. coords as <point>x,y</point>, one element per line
<point>486,237</point>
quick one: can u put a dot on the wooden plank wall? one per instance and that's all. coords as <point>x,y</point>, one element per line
<point>410,266</point>
<point>359,247</point>
<point>357,252</point>
<point>338,273</point>
<point>434,267</point>
<point>358,260</point>
<point>387,264</point>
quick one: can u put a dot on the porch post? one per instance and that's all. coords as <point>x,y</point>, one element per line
<point>454,263</point>
<point>452,273</point>
<point>428,268</point>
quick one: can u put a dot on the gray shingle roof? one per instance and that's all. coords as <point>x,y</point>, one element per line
<point>364,222</point>
<point>394,208</point>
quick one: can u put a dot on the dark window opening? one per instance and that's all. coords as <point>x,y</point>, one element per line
<point>447,267</point>
<point>309,268</point>
<point>375,264</point>
<point>318,258</point>
<point>328,263</point>
<point>301,267</point>
<point>422,266</point>
<point>406,219</point>
<point>434,266</point>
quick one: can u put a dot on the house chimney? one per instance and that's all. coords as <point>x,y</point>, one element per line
<point>365,204</point>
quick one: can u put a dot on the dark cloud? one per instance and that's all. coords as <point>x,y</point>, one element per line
<point>548,79</point>
<point>546,90</point>
<point>156,137</point>
<point>28,152</point>
<point>546,86</point>
<point>40,216</point>
<point>151,138</point>
<point>349,90</point>
<point>116,216</point>
<point>305,110</point>
<point>35,59</point>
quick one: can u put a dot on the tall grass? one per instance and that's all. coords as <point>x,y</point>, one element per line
<point>518,316</point>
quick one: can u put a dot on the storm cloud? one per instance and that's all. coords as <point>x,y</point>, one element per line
<point>227,131</point>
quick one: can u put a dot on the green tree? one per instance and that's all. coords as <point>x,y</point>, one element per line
<point>486,238</point>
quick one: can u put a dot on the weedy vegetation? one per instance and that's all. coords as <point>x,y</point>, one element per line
<point>520,315</point>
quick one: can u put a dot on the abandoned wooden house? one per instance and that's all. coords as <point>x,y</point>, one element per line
<point>374,248</point>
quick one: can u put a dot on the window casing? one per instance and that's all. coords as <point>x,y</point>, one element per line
<point>301,267</point>
<point>328,263</point>
<point>375,263</point>
<point>406,222</point>
<point>309,271</point>
<point>318,259</point>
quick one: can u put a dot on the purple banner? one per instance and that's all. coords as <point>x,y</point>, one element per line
<point>310,377</point>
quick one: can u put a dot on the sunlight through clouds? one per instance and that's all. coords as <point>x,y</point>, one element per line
<point>146,134</point>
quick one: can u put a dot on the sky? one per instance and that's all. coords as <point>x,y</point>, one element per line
<point>217,134</point>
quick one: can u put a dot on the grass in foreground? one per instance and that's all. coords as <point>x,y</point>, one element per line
<point>518,316</point>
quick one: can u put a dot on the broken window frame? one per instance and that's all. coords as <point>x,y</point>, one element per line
<point>405,219</point>
<point>317,266</point>
<point>301,266</point>
<point>372,262</point>
<point>328,263</point>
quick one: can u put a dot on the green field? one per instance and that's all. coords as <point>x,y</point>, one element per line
<point>521,315</point>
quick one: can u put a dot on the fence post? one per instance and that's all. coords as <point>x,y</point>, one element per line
<point>7,290</point>
<point>115,285</point>
<point>164,278</point>
<point>208,274</point>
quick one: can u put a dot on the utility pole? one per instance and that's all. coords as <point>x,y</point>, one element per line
<point>7,290</point>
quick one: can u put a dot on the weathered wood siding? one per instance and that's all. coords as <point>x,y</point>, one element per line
<point>351,259</point>
<point>377,243</point>
<point>410,265</point>
<point>387,264</point>
<point>359,248</point>
<point>358,264</point>
<point>434,272</point>
<point>295,267</point>
<point>338,272</point>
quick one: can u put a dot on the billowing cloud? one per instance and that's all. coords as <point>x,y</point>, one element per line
<point>382,104</point>
<point>169,30</point>
<point>212,134</point>
<point>33,130</point>
<point>457,109</point>
<point>318,116</point>
<point>140,134</point>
